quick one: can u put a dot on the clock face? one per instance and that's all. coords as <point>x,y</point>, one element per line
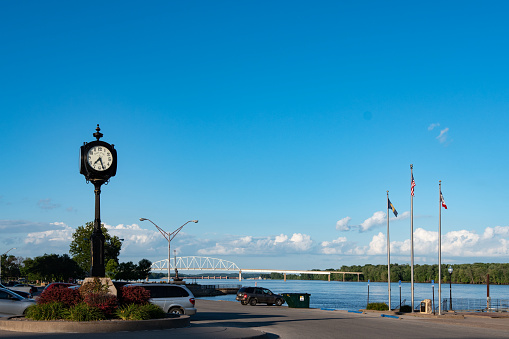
<point>99,158</point>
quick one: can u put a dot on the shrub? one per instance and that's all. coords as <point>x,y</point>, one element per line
<point>132,312</point>
<point>67,296</point>
<point>134,295</point>
<point>105,302</point>
<point>83,312</point>
<point>154,311</point>
<point>377,306</point>
<point>48,311</point>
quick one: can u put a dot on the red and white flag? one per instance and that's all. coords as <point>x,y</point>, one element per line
<point>442,200</point>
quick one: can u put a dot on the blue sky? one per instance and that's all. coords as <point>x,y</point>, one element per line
<point>279,125</point>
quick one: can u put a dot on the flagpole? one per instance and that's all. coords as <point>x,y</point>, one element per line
<point>412,237</point>
<point>440,248</point>
<point>388,254</point>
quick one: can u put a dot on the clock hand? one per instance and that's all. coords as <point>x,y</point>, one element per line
<point>101,160</point>
<point>95,162</point>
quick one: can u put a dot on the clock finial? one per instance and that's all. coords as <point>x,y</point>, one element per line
<point>98,134</point>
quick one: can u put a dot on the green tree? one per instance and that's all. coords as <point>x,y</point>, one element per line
<point>52,267</point>
<point>10,267</point>
<point>111,269</point>
<point>143,269</point>
<point>126,271</point>
<point>131,271</point>
<point>80,247</point>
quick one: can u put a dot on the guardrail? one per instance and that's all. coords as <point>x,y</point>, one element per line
<point>476,305</point>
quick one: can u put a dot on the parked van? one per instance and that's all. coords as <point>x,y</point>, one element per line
<point>176,299</point>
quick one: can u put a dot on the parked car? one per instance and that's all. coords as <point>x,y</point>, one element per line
<point>24,294</point>
<point>13,303</point>
<point>258,295</point>
<point>25,287</point>
<point>58,285</point>
<point>176,299</point>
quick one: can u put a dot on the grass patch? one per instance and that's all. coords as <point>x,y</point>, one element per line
<point>377,307</point>
<point>83,312</point>
<point>50,311</point>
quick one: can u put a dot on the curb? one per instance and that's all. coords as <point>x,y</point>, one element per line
<point>20,324</point>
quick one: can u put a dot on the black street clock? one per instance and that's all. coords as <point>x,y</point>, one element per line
<point>98,163</point>
<point>98,159</point>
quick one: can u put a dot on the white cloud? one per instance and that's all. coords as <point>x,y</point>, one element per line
<point>280,238</point>
<point>54,240</point>
<point>47,204</point>
<point>442,137</point>
<point>376,219</point>
<point>491,232</point>
<point>301,242</point>
<point>335,246</point>
<point>455,244</point>
<point>35,239</point>
<point>22,226</point>
<point>250,245</point>
<point>342,225</point>
<point>402,216</point>
<point>378,245</point>
<point>432,126</point>
<point>219,249</point>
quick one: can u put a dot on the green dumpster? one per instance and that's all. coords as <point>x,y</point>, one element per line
<point>297,300</point>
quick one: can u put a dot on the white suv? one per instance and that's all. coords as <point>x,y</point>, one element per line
<point>176,299</point>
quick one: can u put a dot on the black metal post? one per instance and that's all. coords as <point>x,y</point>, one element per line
<point>433,288</point>
<point>400,295</point>
<point>368,295</point>
<point>97,268</point>
<point>450,291</point>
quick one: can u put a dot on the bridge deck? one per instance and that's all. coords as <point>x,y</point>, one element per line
<point>195,263</point>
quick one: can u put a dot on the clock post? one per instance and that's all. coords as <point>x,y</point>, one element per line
<point>97,240</point>
<point>98,163</point>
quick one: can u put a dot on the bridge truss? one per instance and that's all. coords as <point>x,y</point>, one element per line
<point>195,263</point>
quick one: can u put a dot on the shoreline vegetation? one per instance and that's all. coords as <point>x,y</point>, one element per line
<point>476,273</point>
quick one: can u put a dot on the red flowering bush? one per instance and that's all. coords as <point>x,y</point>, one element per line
<point>134,295</point>
<point>106,303</point>
<point>69,297</point>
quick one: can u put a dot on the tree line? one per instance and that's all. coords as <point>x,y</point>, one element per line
<point>55,267</point>
<point>462,273</point>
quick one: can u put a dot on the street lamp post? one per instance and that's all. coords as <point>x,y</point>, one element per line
<point>1,262</point>
<point>169,237</point>
<point>450,287</point>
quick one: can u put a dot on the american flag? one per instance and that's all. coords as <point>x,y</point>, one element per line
<point>412,186</point>
<point>442,200</point>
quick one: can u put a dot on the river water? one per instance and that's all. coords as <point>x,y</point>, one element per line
<point>354,295</point>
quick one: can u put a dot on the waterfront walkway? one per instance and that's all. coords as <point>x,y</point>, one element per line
<point>226,319</point>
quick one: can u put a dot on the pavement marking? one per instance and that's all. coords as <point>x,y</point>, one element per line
<point>389,316</point>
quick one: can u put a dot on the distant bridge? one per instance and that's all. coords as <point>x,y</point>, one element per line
<point>194,263</point>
